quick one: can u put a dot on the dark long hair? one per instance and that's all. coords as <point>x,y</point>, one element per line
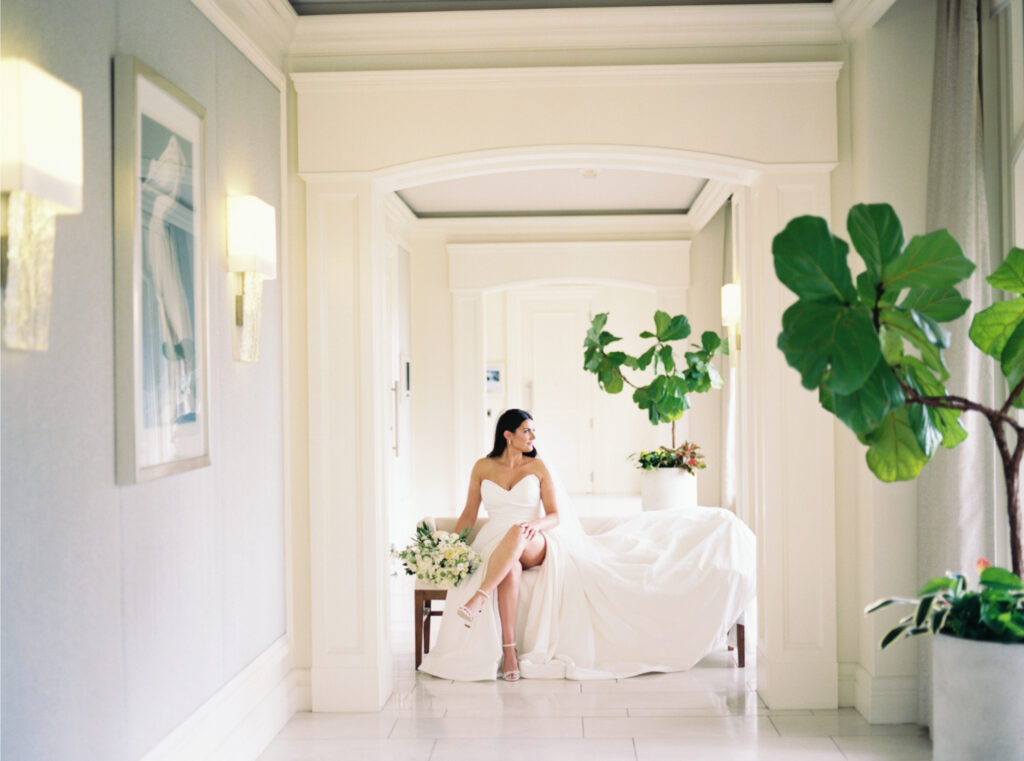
<point>509,421</point>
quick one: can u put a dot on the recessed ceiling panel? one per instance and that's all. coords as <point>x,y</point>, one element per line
<point>556,191</point>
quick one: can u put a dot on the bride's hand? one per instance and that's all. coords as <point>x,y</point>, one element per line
<point>529,530</point>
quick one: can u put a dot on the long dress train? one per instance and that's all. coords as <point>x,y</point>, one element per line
<point>656,591</point>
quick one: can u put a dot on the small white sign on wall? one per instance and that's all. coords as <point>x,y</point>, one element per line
<point>495,378</point>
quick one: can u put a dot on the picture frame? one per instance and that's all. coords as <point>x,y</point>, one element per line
<point>160,299</point>
<point>495,378</point>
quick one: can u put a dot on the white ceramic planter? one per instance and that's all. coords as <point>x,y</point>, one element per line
<point>662,488</point>
<point>977,700</point>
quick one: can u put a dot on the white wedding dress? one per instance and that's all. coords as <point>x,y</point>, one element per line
<point>656,591</point>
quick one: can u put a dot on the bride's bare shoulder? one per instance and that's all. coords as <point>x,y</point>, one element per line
<point>482,466</point>
<point>540,468</point>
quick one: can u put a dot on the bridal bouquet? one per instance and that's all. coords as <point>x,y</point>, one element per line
<point>439,557</point>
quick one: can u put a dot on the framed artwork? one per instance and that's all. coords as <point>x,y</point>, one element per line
<point>495,378</point>
<point>159,276</point>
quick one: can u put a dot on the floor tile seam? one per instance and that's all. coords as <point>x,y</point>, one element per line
<point>838,747</point>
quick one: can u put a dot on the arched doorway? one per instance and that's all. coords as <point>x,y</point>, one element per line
<point>784,435</point>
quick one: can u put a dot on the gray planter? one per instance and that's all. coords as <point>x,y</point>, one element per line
<point>977,700</point>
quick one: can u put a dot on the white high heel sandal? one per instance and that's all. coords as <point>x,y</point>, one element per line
<point>511,675</point>
<point>469,616</point>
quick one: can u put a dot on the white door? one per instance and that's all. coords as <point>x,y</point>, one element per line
<point>555,388</point>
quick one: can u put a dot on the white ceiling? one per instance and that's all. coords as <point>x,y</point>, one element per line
<point>543,192</point>
<point>317,7</point>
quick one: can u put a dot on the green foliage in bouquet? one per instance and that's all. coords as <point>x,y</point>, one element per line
<point>995,612</point>
<point>665,397</point>
<point>687,457</point>
<point>873,347</point>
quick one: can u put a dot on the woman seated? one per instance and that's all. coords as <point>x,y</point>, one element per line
<point>657,593</point>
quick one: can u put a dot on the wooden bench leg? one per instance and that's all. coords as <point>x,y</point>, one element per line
<point>741,645</point>
<point>418,616</point>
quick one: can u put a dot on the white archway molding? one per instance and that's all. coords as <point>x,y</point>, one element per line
<point>784,434</point>
<point>636,158</point>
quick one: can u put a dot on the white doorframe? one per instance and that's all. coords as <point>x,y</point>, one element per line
<point>783,433</point>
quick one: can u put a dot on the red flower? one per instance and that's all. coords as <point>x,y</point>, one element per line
<point>982,564</point>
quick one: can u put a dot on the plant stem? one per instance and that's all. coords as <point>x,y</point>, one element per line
<point>1010,460</point>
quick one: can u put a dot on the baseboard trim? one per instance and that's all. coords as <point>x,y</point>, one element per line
<point>885,699</point>
<point>241,718</point>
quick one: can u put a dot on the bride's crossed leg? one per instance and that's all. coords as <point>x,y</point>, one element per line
<point>522,547</point>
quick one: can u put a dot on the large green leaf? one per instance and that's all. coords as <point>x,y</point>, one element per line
<point>896,321</point>
<point>610,378</point>
<point>1010,275</point>
<point>893,453</point>
<point>925,429</point>
<point>811,262</point>
<point>941,304</point>
<point>677,329</point>
<point>1012,362</point>
<point>991,328</point>
<point>934,260</point>
<point>819,334</point>
<point>864,409</point>
<point>920,377</point>
<point>868,290</point>
<point>933,332</point>
<point>710,341</point>
<point>667,360</point>
<point>876,234</point>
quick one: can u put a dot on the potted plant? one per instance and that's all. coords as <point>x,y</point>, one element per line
<point>873,350</point>
<point>669,474</point>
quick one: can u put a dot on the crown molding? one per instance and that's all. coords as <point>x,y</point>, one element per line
<point>826,72</point>
<point>857,16</point>
<point>562,29</point>
<point>707,204</point>
<point>261,29</point>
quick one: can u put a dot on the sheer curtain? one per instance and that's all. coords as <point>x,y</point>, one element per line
<point>957,492</point>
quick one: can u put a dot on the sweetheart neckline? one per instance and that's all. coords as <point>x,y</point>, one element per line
<point>512,488</point>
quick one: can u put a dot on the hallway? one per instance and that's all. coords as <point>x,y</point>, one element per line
<point>709,712</point>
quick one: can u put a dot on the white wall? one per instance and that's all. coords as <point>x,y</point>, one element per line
<point>125,608</point>
<point>887,160</point>
<point>704,308</point>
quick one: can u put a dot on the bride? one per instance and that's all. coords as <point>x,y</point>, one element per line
<point>651,592</point>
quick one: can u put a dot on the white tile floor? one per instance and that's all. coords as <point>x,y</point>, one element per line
<point>711,712</point>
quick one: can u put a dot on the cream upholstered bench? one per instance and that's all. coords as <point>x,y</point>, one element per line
<point>426,593</point>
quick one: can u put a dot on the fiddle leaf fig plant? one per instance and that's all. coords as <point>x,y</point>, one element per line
<point>872,346</point>
<point>665,398</point>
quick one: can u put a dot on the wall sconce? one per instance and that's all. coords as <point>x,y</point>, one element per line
<point>41,171</point>
<point>731,300</point>
<point>252,253</point>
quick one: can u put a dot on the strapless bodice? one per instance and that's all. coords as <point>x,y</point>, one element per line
<point>520,503</point>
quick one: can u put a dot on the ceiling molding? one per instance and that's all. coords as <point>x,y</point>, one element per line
<point>857,16</point>
<point>563,29</point>
<point>569,76</point>
<point>261,29</point>
<point>707,204</point>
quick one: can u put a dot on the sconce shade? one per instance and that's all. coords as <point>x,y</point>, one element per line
<point>252,236</point>
<point>731,304</point>
<point>41,143</point>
